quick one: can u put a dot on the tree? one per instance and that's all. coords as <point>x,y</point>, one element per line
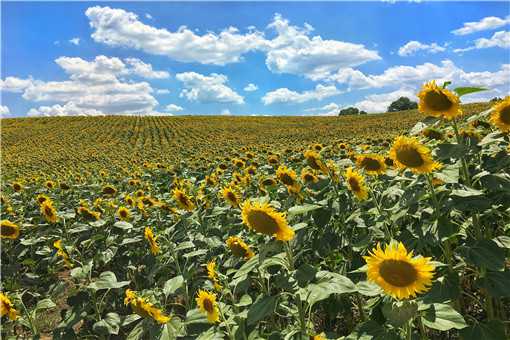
<point>402,103</point>
<point>349,111</point>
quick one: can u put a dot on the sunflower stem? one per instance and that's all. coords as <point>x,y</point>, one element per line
<point>299,303</point>
<point>229,330</point>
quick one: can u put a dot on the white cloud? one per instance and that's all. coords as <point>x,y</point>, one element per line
<point>294,51</point>
<point>68,109</point>
<point>162,91</point>
<point>212,88</point>
<point>148,16</point>
<point>226,112</point>
<point>75,41</point>
<point>376,103</point>
<point>251,87</point>
<point>4,111</point>
<point>93,87</point>
<point>173,108</point>
<point>499,39</point>
<point>284,95</point>
<point>116,27</point>
<point>331,109</point>
<point>144,70</point>
<point>486,23</point>
<point>13,84</point>
<point>414,46</point>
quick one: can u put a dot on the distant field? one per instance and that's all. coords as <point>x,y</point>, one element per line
<point>59,145</point>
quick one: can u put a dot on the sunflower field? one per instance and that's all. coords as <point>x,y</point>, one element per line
<point>393,226</point>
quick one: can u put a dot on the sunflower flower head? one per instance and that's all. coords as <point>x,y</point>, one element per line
<point>213,275</point>
<point>356,184</point>
<point>438,102</point>
<point>239,248</point>
<point>206,302</point>
<point>7,307</point>
<point>149,236</point>
<point>62,253</point>
<point>145,309</point>
<point>372,164</point>
<point>397,272</point>
<point>500,116</point>
<point>231,195</point>
<point>9,230</point>
<point>124,214</point>
<point>183,200</point>
<point>264,219</point>
<point>409,153</point>
<point>48,211</point>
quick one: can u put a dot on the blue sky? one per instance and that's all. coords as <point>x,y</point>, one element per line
<point>89,58</point>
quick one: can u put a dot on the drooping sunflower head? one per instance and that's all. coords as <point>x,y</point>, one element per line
<point>239,248</point>
<point>264,219</point>
<point>212,274</point>
<point>373,164</point>
<point>286,176</point>
<point>409,153</point>
<point>149,236</point>
<point>309,176</point>
<point>183,200</point>
<point>88,214</point>
<point>9,230</point>
<point>41,198</point>
<point>397,272</point>
<point>314,160</point>
<point>268,182</point>
<point>433,133</point>
<point>273,159</point>
<point>500,116</point>
<point>206,302</point>
<point>7,307</point>
<point>438,102</point>
<point>109,190</point>
<point>124,213</point>
<point>230,194</point>
<point>49,212</point>
<point>145,309</point>
<point>356,184</point>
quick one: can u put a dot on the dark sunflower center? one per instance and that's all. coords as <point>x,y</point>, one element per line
<point>353,182</point>
<point>409,157</point>
<point>438,101</point>
<point>237,250</point>
<point>309,177</point>
<point>262,222</point>
<point>208,305</point>
<point>370,164</point>
<point>286,179</point>
<point>7,230</point>
<point>48,211</point>
<point>268,182</point>
<point>123,213</point>
<point>183,199</point>
<point>398,273</point>
<point>231,197</point>
<point>505,115</point>
<point>314,163</point>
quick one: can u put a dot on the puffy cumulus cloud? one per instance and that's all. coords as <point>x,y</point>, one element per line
<point>499,39</point>
<point>294,51</point>
<point>226,112</point>
<point>14,84</point>
<point>331,109</point>
<point>173,108</point>
<point>484,24</point>
<point>376,103</point>
<point>414,46</point>
<point>284,95</point>
<point>117,27</point>
<point>144,70</point>
<point>68,109</point>
<point>94,87</point>
<point>251,87</point>
<point>212,88</point>
<point>4,111</point>
<point>414,76</point>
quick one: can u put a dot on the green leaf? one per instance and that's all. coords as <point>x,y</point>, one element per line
<point>328,283</point>
<point>107,280</point>
<point>123,225</point>
<point>244,301</point>
<point>446,151</point>
<point>247,267</point>
<point>446,84</point>
<point>490,330</point>
<point>261,308</point>
<point>443,317</point>
<point>444,289</point>
<point>368,288</point>
<point>45,304</point>
<point>372,330</point>
<point>400,312</point>
<point>484,253</point>
<point>137,332</point>
<point>302,209</point>
<point>497,283</point>
<point>172,285</point>
<point>461,91</point>
<point>109,325</point>
<point>82,272</point>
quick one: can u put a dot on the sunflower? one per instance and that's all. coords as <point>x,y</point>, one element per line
<point>206,302</point>
<point>286,176</point>
<point>49,184</point>
<point>343,146</point>
<point>230,194</point>
<point>397,272</point>
<point>109,190</point>
<point>239,248</point>
<point>268,182</point>
<point>501,115</point>
<point>144,308</point>
<point>48,211</point>
<point>16,186</point>
<point>149,236</point>
<point>356,184</point>
<point>308,176</point>
<point>314,160</point>
<point>438,102</point>
<point>88,214</point>
<point>409,153</point>
<point>7,307</point>
<point>183,200</point>
<point>129,200</point>
<point>62,253</point>
<point>9,230</point>
<point>373,164</point>
<point>212,274</point>
<point>272,159</point>
<point>123,213</point>
<point>264,219</point>
<point>433,133</point>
